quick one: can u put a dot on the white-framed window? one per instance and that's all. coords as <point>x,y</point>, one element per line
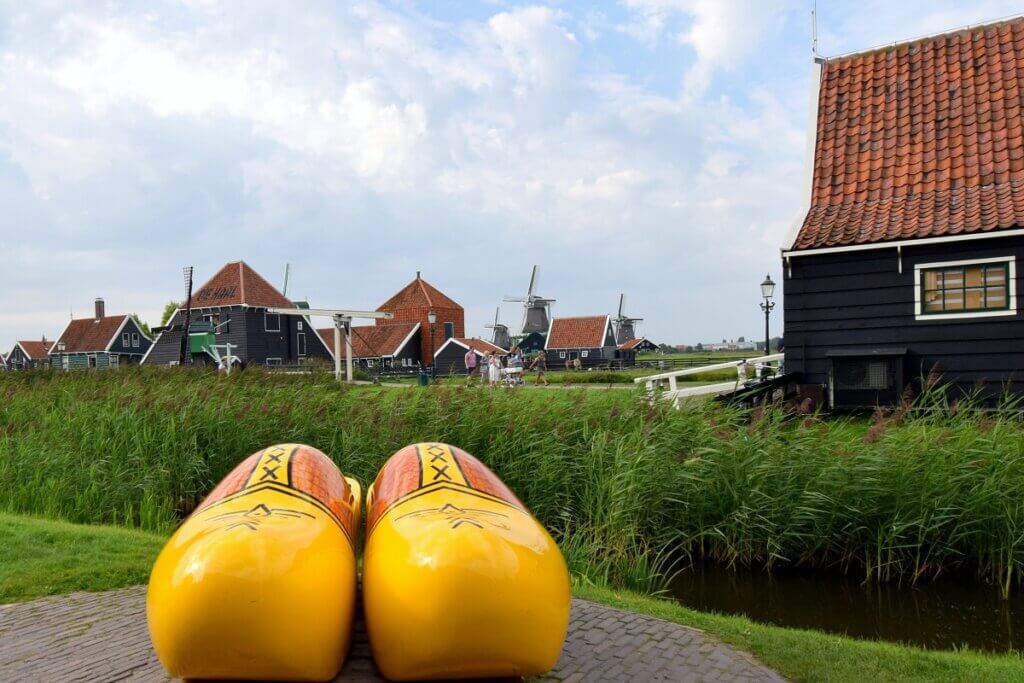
<point>298,325</point>
<point>271,322</point>
<point>126,339</point>
<point>584,353</point>
<point>64,361</point>
<point>135,340</point>
<point>114,360</point>
<point>300,343</point>
<point>561,354</point>
<point>273,362</point>
<point>975,288</point>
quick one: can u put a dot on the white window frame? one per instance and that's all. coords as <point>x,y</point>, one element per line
<point>113,360</point>
<point>584,353</point>
<point>126,340</point>
<point>561,354</point>
<point>298,325</point>
<point>300,344</point>
<point>276,362</point>
<point>135,340</point>
<point>1011,289</point>
<point>266,322</point>
<point>65,361</point>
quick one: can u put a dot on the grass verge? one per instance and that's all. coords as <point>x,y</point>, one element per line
<point>802,655</point>
<point>40,557</point>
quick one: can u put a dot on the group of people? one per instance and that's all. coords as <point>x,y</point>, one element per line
<point>488,366</point>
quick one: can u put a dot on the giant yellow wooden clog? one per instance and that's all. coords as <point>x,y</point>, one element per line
<point>459,580</point>
<point>260,582</point>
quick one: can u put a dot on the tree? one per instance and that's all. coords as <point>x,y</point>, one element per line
<point>169,310</point>
<point>699,346</point>
<point>142,326</point>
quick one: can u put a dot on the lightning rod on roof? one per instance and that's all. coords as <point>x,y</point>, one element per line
<point>814,29</point>
<point>287,268</point>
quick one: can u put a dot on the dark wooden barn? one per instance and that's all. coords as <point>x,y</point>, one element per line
<point>450,359</point>
<point>589,338</point>
<point>28,354</point>
<point>233,303</point>
<point>904,267</point>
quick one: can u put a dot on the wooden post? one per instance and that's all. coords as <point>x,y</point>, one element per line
<point>337,348</point>
<point>348,350</point>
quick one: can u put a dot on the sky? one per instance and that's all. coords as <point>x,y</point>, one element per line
<point>649,147</point>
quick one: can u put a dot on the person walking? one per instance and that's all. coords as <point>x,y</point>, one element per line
<point>470,360</point>
<point>540,363</point>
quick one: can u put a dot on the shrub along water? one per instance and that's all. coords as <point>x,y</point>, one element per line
<point>628,489</point>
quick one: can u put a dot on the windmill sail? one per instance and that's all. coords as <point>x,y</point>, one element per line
<point>536,309</point>
<point>625,327</point>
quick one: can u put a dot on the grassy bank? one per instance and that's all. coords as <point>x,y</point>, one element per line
<point>802,655</point>
<point>623,486</point>
<point>42,557</point>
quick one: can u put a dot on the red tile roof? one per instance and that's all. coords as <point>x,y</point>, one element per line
<point>481,345</point>
<point>418,294</point>
<point>238,284</point>
<point>88,335</point>
<point>583,332</point>
<point>372,341</point>
<point>630,344</point>
<point>921,139</point>
<point>36,350</point>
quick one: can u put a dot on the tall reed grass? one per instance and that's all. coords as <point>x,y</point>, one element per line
<point>628,490</point>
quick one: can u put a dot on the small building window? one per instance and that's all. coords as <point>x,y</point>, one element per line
<point>135,340</point>
<point>300,343</point>
<point>271,322</point>
<point>273,362</point>
<point>126,339</point>
<point>64,361</point>
<point>965,289</point>
<point>298,325</point>
<point>585,353</point>
<point>113,360</point>
<point>92,361</point>
<point>561,354</point>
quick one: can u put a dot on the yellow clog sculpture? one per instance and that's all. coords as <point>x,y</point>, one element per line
<point>260,581</point>
<point>459,580</point>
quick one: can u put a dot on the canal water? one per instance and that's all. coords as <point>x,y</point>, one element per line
<point>937,615</point>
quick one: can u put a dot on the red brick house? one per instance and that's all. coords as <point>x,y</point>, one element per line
<point>413,303</point>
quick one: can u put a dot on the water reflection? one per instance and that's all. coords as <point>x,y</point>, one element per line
<point>939,615</point>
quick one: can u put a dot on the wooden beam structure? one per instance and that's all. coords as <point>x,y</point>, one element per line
<point>342,320</point>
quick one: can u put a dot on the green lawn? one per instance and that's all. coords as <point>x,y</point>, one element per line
<point>40,557</point>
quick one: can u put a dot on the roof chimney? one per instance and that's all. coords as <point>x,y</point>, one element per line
<point>100,308</point>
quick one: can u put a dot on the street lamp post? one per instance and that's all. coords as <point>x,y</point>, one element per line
<point>431,318</point>
<point>767,290</point>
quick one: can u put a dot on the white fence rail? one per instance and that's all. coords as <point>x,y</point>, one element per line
<point>746,369</point>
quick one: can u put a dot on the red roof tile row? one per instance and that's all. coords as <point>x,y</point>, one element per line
<point>921,139</point>
<point>372,341</point>
<point>582,332</point>
<point>88,335</point>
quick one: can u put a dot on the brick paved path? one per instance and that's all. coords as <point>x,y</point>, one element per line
<point>103,637</point>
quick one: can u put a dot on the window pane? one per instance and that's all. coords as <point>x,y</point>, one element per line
<point>974,277</point>
<point>933,302</point>
<point>932,279</point>
<point>995,275</point>
<point>995,297</point>
<point>975,298</point>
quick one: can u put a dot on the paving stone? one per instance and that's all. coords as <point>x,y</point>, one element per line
<point>103,637</point>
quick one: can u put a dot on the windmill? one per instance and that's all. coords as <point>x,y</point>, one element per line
<point>536,309</point>
<point>624,326</point>
<point>500,336</point>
